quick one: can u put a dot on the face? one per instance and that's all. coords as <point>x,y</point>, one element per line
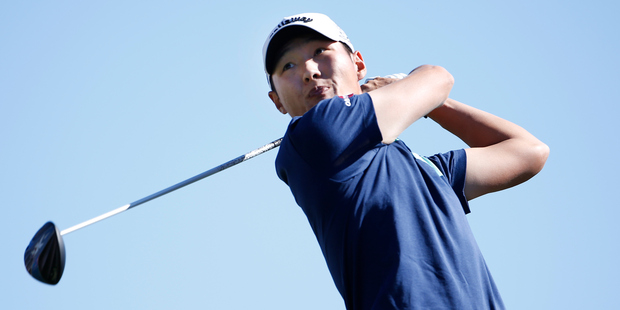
<point>311,70</point>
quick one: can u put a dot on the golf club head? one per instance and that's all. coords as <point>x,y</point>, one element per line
<point>45,255</point>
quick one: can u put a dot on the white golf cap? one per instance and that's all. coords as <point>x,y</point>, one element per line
<point>317,22</point>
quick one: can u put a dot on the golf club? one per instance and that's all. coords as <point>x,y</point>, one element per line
<point>45,255</point>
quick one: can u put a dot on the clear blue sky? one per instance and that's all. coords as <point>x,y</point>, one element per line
<point>103,104</point>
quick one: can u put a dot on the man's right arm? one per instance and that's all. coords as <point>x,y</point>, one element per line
<point>501,153</point>
<point>401,103</point>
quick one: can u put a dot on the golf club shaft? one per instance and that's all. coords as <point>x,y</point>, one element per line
<point>172,188</point>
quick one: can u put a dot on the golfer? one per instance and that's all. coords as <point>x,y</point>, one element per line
<point>391,224</point>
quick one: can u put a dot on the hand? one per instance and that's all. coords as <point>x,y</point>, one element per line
<point>378,82</point>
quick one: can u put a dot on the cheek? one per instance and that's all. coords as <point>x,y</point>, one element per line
<point>287,96</point>
<point>346,70</point>
<point>282,84</point>
<point>285,92</point>
<point>346,65</point>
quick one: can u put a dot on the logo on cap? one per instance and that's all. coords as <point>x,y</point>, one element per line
<point>285,22</point>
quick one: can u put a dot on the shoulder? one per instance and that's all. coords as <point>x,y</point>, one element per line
<point>332,134</point>
<point>335,121</point>
<point>338,111</point>
<point>452,164</point>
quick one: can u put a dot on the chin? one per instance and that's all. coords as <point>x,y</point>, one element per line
<point>314,102</point>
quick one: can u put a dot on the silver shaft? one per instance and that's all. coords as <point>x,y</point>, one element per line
<point>172,188</point>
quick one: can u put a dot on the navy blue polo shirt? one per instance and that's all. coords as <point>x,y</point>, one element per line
<point>391,224</point>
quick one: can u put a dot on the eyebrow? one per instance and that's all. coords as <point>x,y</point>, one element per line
<point>289,47</point>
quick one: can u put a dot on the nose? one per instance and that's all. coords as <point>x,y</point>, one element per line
<point>312,71</point>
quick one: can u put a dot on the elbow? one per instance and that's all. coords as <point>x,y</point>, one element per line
<point>533,159</point>
<point>442,78</point>
<point>449,79</point>
<point>446,79</point>
<point>442,74</point>
<point>439,73</point>
<point>538,157</point>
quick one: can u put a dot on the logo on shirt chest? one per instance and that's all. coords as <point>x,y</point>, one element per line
<point>347,100</point>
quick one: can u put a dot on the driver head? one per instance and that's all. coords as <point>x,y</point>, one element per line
<point>45,255</point>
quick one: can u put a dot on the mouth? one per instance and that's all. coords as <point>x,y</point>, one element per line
<point>318,92</point>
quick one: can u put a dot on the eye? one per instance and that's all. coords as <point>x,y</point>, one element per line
<point>287,66</point>
<point>319,51</point>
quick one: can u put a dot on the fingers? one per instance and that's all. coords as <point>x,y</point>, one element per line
<point>375,83</point>
<point>378,82</point>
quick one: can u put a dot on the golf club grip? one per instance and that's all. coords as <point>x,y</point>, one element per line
<point>172,188</point>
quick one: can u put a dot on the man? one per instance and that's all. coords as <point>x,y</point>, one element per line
<point>391,224</point>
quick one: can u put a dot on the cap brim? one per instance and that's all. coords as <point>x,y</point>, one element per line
<point>281,38</point>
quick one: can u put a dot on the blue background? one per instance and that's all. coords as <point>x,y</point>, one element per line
<point>103,103</point>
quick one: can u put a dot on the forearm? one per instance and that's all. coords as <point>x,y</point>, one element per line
<point>502,154</point>
<point>475,127</point>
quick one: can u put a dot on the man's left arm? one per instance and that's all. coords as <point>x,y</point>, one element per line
<point>501,153</point>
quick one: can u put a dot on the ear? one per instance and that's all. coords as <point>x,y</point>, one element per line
<point>276,100</point>
<point>361,65</point>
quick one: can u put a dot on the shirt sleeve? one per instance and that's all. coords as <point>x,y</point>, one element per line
<point>335,133</point>
<point>453,165</point>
